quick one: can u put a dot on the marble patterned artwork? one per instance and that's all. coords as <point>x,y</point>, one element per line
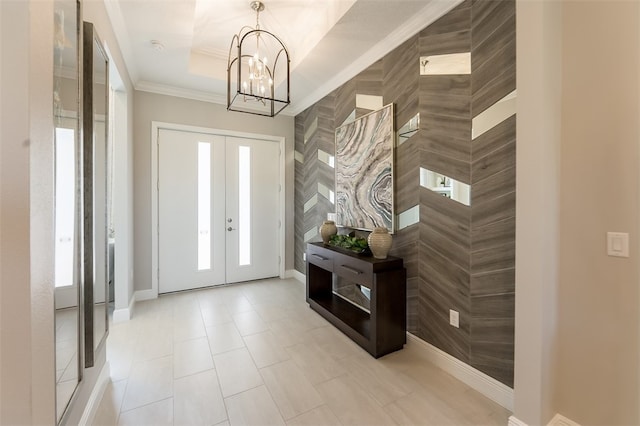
<point>364,171</point>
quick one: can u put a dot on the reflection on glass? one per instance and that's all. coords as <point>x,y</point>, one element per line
<point>204,206</point>
<point>445,186</point>
<point>244,208</point>
<point>409,129</point>
<point>448,64</point>
<point>356,294</point>
<point>66,208</point>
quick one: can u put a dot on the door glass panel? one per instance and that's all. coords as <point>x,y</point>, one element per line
<point>244,205</point>
<point>204,206</point>
<point>65,207</point>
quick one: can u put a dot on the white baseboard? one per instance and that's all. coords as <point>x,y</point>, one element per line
<point>513,421</point>
<point>141,295</point>
<point>560,420</point>
<point>95,398</point>
<point>294,273</point>
<point>476,379</point>
<point>123,315</point>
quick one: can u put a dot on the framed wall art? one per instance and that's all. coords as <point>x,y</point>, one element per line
<point>364,171</point>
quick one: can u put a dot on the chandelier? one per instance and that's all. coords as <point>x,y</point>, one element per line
<point>257,70</point>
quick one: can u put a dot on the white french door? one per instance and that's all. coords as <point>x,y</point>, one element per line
<point>218,209</point>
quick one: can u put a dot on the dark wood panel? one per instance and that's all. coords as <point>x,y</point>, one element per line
<point>494,282</point>
<point>438,269</point>
<point>501,159</point>
<point>448,218</point>
<point>499,257</point>
<point>454,168</point>
<point>488,307</point>
<point>493,235</point>
<point>487,16</point>
<point>458,19</point>
<point>493,210</point>
<point>494,186</point>
<point>434,324</point>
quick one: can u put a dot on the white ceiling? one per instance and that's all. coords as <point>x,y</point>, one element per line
<point>329,41</point>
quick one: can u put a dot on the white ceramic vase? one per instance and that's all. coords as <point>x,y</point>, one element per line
<point>327,229</point>
<point>380,242</point>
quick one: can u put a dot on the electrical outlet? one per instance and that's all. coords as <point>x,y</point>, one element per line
<point>454,318</point>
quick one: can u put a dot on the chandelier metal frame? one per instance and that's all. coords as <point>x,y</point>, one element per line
<point>254,91</point>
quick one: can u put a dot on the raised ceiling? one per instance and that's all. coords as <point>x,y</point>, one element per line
<point>329,41</point>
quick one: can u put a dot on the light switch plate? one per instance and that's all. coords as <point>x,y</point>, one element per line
<point>454,318</point>
<point>618,244</point>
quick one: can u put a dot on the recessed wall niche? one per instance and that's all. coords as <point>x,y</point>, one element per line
<point>458,256</point>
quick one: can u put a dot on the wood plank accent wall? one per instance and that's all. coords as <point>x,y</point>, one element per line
<point>457,257</point>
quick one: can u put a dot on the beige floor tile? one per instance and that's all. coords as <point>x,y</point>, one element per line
<point>290,364</point>
<point>191,356</point>
<point>286,334</point>
<point>150,381</point>
<point>291,390</point>
<point>153,343</point>
<point>190,327</point>
<point>352,404</point>
<point>333,342</point>
<point>197,400</point>
<point>109,408</point>
<point>318,416</point>
<point>214,314</point>
<point>316,364</point>
<point>157,414</point>
<point>236,372</point>
<point>223,338</point>
<point>265,349</point>
<point>249,323</point>
<point>253,407</point>
<point>383,383</point>
<point>422,408</point>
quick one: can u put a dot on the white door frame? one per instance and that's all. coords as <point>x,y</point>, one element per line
<point>155,127</point>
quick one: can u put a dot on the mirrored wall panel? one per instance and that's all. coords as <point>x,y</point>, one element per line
<point>66,115</point>
<point>445,186</point>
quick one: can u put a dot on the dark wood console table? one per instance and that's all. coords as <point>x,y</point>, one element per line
<point>383,329</point>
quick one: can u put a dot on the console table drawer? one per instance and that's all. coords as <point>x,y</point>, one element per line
<point>319,257</point>
<point>353,269</point>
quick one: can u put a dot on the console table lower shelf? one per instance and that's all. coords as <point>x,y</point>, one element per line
<point>383,329</point>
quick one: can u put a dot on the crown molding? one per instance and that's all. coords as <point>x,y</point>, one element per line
<point>164,89</point>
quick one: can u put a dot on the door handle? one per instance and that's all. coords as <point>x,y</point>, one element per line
<point>231,229</point>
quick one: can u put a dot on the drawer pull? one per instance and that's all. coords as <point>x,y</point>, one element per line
<point>319,257</point>
<point>352,270</point>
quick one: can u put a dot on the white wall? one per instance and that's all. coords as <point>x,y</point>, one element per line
<point>539,66</point>
<point>153,107</point>
<point>578,159</point>
<point>598,317</point>
<point>96,13</point>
